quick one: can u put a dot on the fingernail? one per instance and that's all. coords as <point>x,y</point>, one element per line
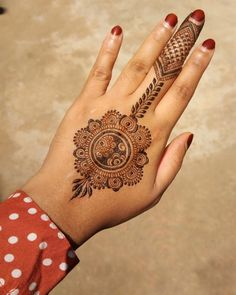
<point>209,44</point>
<point>198,15</point>
<point>117,30</point>
<point>171,19</point>
<point>189,140</point>
<point>2,10</point>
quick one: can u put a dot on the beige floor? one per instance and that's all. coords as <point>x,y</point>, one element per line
<point>187,244</point>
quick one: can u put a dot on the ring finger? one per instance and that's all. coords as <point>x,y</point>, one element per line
<point>178,96</point>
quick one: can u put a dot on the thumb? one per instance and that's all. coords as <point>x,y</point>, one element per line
<point>171,161</point>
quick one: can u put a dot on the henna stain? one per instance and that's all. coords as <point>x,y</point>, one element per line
<point>171,60</point>
<point>110,152</point>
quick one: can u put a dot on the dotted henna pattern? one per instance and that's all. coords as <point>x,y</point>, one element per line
<point>110,152</point>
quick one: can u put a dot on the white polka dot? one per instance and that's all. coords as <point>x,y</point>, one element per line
<point>32,286</point>
<point>63,266</point>
<point>13,216</point>
<point>32,211</point>
<point>16,273</point>
<point>9,257</point>
<point>12,240</point>
<point>36,293</point>
<point>14,292</point>
<point>32,237</point>
<point>71,254</point>
<point>0,227</point>
<point>2,282</point>
<point>52,225</point>
<point>44,217</point>
<point>61,235</point>
<point>47,261</point>
<point>43,245</point>
<point>27,200</point>
<point>16,195</point>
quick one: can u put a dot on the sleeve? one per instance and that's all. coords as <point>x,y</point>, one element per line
<point>34,254</point>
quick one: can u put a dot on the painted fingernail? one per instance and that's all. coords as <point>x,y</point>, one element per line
<point>209,44</point>
<point>198,15</point>
<point>2,10</point>
<point>171,19</point>
<point>117,30</point>
<point>189,140</point>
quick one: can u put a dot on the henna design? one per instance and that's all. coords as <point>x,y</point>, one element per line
<point>139,109</point>
<point>110,152</point>
<point>171,60</point>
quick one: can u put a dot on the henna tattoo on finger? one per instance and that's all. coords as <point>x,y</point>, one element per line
<point>172,58</point>
<point>111,152</point>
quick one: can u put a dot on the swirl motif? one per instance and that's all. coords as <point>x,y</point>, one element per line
<point>110,153</point>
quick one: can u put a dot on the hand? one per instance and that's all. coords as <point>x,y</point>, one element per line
<point>108,161</point>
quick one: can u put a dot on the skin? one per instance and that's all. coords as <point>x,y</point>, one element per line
<point>51,187</point>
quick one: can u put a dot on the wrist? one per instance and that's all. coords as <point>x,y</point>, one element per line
<point>53,204</point>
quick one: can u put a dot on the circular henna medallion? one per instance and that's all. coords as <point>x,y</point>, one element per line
<point>110,153</point>
<point>110,150</point>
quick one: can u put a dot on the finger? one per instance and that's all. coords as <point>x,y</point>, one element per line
<point>138,67</point>
<point>177,98</point>
<point>168,66</point>
<point>101,73</point>
<point>171,162</point>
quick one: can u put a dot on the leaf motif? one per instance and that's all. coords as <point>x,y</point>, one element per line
<point>90,191</point>
<point>141,106</point>
<point>139,115</point>
<point>84,192</point>
<point>133,109</point>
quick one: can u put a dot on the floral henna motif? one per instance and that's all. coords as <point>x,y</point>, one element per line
<point>110,153</point>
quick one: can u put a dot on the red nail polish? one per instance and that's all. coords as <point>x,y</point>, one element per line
<point>117,30</point>
<point>198,15</point>
<point>189,140</point>
<point>2,10</point>
<point>171,19</point>
<point>209,44</point>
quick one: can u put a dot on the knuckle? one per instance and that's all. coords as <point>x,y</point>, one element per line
<point>139,66</point>
<point>197,60</point>
<point>160,134</point>
<point>111,52</point>
<point>160,33</point>
<point>101,74</point>
<point>182,91</point>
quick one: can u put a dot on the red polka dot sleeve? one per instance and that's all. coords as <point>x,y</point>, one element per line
<point>34,254</point>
